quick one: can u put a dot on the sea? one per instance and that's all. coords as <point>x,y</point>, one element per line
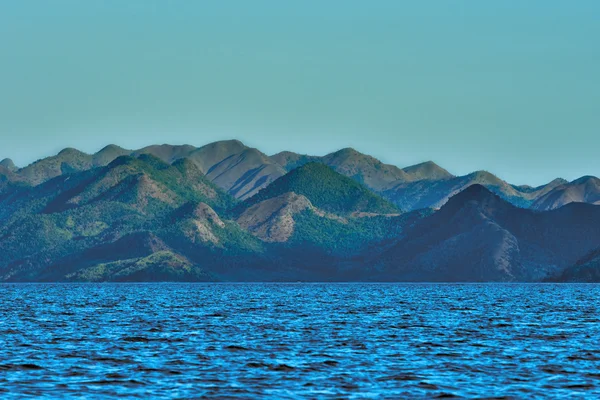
<point>300,340</point>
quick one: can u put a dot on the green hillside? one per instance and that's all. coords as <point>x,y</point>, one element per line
<point>326,190</point>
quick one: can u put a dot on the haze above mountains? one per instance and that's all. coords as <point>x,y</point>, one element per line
<point>225,211</point>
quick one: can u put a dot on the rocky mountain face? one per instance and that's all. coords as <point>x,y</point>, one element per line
<point>228,212</point>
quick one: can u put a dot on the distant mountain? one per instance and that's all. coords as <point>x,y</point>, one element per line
<point>166,152</point>
<point>435,193</point>
<point>290,160</point>
<point>325,189</point>
<point>428,170</point>
<point>477,236</point>
<point>171,213</point>
<point>67,161</point>
<point>234,167</point>
<point>147,183</point>
<point>207,157</point>
<point>242,171</point>
<point>365,169</point>
<point>108,154</point>
<point>582,190</point>
<point>424,185</point>
<point>8,164</point>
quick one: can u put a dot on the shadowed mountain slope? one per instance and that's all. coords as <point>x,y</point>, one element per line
<point>477,236</point>
<point>585,270</point>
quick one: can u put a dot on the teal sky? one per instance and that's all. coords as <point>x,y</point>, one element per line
<point>509,86</point>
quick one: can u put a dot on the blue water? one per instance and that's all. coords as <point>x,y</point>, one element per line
<point>299,340</point>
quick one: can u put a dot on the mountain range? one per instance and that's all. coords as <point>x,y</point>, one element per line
<point>228,212</point>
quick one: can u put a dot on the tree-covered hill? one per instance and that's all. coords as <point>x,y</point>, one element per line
<point>326,190</point>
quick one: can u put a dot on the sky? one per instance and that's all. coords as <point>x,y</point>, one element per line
<point>511,86</point>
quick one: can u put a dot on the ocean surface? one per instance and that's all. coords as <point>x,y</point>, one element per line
<point>299,340</point>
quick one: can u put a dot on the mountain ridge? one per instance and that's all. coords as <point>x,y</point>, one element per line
<point>243,171</point>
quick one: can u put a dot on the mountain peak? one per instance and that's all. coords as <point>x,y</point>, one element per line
<point>475,191</point>
<point>290,160</point>
<point>343,155</point>
<point>232,142</point>
<point>109,154</point>
<point>111,148</point>
<point>477,194</point>
<point>585,179</point>
<point>8,164</point>
<point>558,182</point>
<point>70,151</point>
<point>286,153</point>
<point>427,170</point>
<point>166,152</point>
<point>347,151</point>
<point>481,174</point>
<point>232,145</point>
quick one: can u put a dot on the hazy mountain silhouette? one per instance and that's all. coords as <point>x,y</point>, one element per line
<point>8,164</point>
<point>435,192</point>
<point>582,190</point>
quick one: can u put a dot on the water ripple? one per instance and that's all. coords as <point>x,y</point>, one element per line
<point>299,341</point>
